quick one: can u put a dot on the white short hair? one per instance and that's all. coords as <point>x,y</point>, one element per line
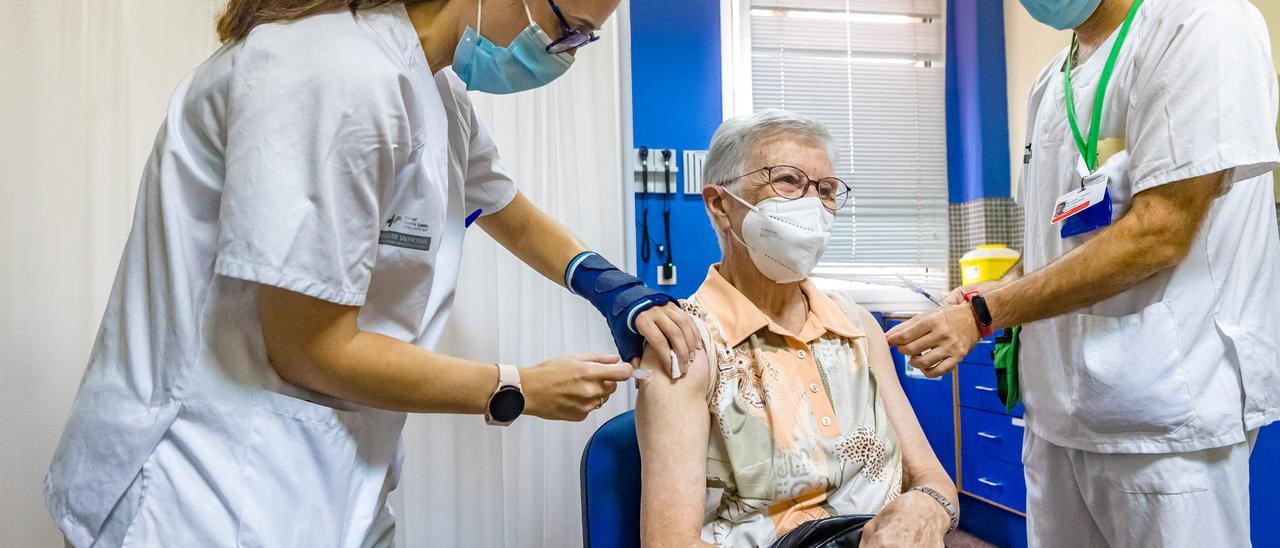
<point>738,137</point>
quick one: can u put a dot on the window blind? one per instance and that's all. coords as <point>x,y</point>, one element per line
<point>872,72</point>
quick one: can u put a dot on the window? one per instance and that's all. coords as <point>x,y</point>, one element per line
<point>872,71</point>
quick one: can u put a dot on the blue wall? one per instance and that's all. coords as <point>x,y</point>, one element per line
<point>976,101</point>
<point>676,103</point>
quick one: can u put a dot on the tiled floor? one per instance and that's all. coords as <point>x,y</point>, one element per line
<point>961,539</point>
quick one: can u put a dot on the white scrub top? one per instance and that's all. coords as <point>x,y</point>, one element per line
<point>1188,359</point>
<point>319,156</point>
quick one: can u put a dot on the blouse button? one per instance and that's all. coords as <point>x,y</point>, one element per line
<point>826,421</point>
<point>800,354</point>
<point>813,387</point>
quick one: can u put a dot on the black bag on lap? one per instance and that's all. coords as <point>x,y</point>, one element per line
<point>832,532</point>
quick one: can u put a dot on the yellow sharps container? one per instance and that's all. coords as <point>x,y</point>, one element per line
<point>987,262</point>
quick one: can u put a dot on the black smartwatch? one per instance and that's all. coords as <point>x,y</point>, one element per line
<point>981,314</point>
<point>507,402</point>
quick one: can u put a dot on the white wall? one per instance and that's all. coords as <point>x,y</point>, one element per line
<point>1029,45</point>
<point>83,87</point>
<point>1271,12</point>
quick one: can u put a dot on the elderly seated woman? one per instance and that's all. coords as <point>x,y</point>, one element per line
<point>791,412</point>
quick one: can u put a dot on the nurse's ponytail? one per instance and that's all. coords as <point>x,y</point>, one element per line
<point>242,16</point>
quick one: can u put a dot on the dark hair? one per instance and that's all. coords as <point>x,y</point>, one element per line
<point>241,16</point>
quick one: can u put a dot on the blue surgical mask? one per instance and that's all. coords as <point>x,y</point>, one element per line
<point>1061,14</point>
<point>523,65</point>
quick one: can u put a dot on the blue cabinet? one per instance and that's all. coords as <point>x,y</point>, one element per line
<point>993,480</point>
<point>993,491</point>
<point>990,444</point>
<point>983,352</point>
<point>978,388</point>
<point>992,435</point>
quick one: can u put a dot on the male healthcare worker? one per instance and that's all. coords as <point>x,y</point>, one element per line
<point>292,261</point>
<point>1150,349</point>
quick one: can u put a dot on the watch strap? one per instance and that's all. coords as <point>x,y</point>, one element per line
<point>980,317</point>
<point>508,375</point>
<point>946,504</point>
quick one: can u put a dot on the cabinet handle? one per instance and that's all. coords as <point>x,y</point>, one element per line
<point>988,436</point>
<point>984,388</point>
<point>989,483</point>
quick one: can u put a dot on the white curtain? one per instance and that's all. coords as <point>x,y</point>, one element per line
<point>465,484</point>
<point>83,88</point>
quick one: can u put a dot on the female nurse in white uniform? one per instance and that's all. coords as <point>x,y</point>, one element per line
<point>292,262</point>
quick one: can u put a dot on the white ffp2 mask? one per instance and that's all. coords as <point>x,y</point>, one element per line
<point>786,238</point>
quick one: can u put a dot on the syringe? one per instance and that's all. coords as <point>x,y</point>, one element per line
<point>916,287</point>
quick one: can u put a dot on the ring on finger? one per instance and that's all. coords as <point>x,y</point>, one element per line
<point>601,404</point>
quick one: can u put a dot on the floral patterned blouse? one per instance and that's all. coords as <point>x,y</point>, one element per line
<point>798,429</point>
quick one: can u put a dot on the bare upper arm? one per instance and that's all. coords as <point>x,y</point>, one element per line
<point>507,224</point>
<point>300,331</point>
<point>672,426</point>
<point>1171,214</point>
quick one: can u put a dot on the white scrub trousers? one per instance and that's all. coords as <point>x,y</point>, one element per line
<point>1080,499</point>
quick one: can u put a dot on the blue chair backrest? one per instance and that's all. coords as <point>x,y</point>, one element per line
<point>611,486</point>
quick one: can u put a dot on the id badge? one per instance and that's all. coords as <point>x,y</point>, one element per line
<point>1084,210</point>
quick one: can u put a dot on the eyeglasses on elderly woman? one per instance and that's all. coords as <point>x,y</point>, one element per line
<point>792,183</point>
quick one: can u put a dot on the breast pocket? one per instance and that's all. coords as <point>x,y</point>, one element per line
<point>1119,185</point>
<point>303,474</point>
<point>1126,373</point>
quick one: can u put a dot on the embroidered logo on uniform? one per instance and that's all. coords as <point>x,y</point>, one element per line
<point>406,232</point>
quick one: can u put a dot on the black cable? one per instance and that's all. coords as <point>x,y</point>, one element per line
<point>666,212</point>
<point>644,202</point>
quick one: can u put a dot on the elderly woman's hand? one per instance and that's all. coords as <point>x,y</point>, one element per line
<point>913,519</point>
<point>668,328</point>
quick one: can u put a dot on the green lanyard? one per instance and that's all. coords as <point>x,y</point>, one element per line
<point>1090,150</point>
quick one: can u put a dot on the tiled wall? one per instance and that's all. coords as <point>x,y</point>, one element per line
<point>983,221</point>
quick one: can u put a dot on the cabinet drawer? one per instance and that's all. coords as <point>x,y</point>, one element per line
<point>994,480</point>
<point>978,389</point>
<point>982,352</point>
<point>997,436</point>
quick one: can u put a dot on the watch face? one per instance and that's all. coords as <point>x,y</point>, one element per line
<point>506,404</point>
<point>979,305</point>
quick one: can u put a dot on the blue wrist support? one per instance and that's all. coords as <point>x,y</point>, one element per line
<point>617,295</point>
